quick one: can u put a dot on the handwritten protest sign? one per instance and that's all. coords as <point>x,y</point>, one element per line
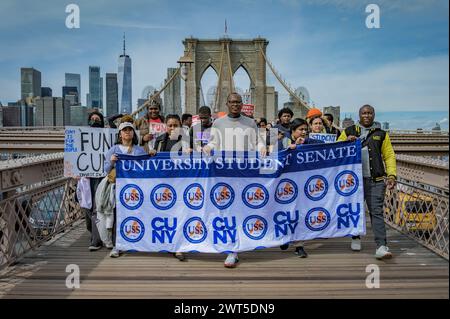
<point>85,149</point>
<point>327,138</point>
<point>248,109</point>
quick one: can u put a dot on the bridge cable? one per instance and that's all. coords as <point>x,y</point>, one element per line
<point>231,84</point>
<point>153,97</point>
<point>290,91</point>
<point>218,88</point>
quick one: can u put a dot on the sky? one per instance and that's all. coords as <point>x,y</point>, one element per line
<point>323,45</point>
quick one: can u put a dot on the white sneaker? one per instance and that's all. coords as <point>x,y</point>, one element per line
<point>356,244</point>
<point>114,253</point>
<point>383,253</point>
<point>231,261</point>
<point>109,245</point>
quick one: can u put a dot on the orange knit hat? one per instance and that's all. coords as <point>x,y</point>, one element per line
<point>313,113</point>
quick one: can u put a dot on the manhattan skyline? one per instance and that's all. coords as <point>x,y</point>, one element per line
<point>323,45</point>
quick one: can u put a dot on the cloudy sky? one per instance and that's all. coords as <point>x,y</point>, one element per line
<point>323,45</point>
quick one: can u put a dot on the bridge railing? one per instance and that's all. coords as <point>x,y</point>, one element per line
<point>420,213</point>
<point>419,131</point>
<point>30,218</point>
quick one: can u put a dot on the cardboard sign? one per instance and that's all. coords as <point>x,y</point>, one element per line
<point>327,138</point>
<point>248,109</point>
<point>85,149</point>
<point>195,119</point>
<point>157,128</point>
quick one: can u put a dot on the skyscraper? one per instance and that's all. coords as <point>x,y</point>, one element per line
<point>94,87</point>
<point>46,92</point>
<point>101,92</point>
<point>112,100</point>
<point>30,83</point>
<point>73,79</point>
<point>124,82</point>
<point>172,94</point>
<point>71,93</point>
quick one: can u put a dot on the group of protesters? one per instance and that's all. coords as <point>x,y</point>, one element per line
<point>207,135</point>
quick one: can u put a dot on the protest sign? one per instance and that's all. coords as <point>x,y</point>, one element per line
<point>85,149</point>
<point>327,138</point>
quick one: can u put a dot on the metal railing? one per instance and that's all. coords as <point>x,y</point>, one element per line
<point>31,218</point>
<point>420,213</point>
<point>419,131</point>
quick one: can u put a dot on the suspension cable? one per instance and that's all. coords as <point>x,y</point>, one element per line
<point>218,88</point>
<point>230,69</point>
<point>292,93</point>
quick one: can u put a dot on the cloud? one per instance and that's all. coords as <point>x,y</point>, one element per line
<point>444,120</point>
<point>414,85</point>
<point>135,25</point>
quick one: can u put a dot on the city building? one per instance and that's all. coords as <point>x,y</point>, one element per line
<point>124,82</point>
<point>144,110</point>
<point>112,97</point>
<point>299,110</point>
<point>52,111</point>
<point>78,115</point>
<point>347,122</point>
<point>101,92</point>
<point>30,84</point>
<point>46,92</point>
<point>17,114</point>
<point>11,116</point>
<point>172,94</point>
<point>94,99</point>
<point>271,103</point>
<point>386,126</point>
<point>71,93</point>
<point>74,79</point>
<point>335,111</point>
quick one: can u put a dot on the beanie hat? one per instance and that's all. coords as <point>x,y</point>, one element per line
<point>313,113</point>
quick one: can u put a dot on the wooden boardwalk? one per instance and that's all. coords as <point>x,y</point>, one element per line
<point>332,270</point>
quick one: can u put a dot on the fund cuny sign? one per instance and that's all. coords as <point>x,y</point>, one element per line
<point>85,149</point>
<point>223,204</point>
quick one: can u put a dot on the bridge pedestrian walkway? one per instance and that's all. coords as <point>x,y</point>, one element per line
<point>332,270</point>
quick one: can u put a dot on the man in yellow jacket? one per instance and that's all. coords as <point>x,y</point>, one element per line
<point>379,171</point>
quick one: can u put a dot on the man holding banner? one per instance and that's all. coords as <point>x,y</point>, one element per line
<point>235,133</point>
<point>376,150</point>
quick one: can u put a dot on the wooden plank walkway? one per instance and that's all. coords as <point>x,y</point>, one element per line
<point>332,270</point>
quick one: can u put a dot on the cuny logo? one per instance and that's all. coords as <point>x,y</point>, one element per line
<point>286,191</point>
<point>316,187</point>
<point>347,214</point>
<point>164,229</point>
<point>285,222</point>
<point>132,229</point>
<point>224,229</point>
<point>222,195</point>
<point>317,219</point>
<point>194,230</point>
<point>255,196</point>
<point>255,227</point>
<point>163,196</point>
<point>346,183</point>
<point>131,196</point>
<point>194,196</point>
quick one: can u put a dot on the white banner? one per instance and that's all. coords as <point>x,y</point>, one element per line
<point>327,138</point>
<point>217,204</point>
<point>85,149</point>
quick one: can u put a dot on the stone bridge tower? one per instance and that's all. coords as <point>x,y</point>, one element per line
<point>226,56</point>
